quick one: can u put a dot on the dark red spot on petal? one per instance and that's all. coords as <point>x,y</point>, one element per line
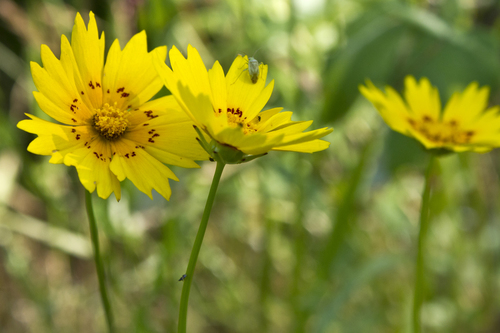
<point>120,90</point>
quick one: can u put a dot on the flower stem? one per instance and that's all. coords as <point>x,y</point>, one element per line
<point>196,249</point>
<point>98,262</point>
<point>422,235</point>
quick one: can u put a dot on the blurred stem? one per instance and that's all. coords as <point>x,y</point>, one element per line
<point>265,282</point>
<point>196,249</point>
<point>98,262</point>
<point>300,245</point>
<point>344,215</point>
<point>422,235</point>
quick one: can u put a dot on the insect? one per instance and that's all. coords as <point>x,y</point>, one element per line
<point>253,70</point>
<point>183,277</point>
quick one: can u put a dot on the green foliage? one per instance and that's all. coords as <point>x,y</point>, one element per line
<point>296,243</point>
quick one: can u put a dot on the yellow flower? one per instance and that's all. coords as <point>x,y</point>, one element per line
<point>465,124</point>
<point>109,130</point>
<point>227,108</point>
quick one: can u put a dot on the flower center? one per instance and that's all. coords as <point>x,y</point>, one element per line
<point>235,118</point>
<point>110,121</point>
<point>441,132</point>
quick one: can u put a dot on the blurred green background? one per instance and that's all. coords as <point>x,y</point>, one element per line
<point>297,242</point>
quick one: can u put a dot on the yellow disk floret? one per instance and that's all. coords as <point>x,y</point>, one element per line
<point>440,132</point>
<point>110,122</point>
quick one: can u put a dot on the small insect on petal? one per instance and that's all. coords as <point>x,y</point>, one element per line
<point>183,277</point>
<point>253,69</point>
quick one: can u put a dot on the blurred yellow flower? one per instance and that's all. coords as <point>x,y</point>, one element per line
<point>227,108</point>
<point>465,124</point>
<point>110,131</point>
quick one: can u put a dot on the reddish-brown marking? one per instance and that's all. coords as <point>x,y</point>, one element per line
<point>108,91</point>
<point>73,130</point>
<point>133,153</point>
<point>96,154</point>
<point>155,135</point>
<point>125,94</point>
<point>146,124</point>
<point>120,90</point>
<point>74,120</point>
<point>78,136</point>
<point>427,119</point>
<point>75,100</point>
<point>151,140</point>
<point>91,85</point>
<point>129,106</point>
<point>98,84</point>
<point>81,92</point>
<point>150,114</point>
<point>126,155</point>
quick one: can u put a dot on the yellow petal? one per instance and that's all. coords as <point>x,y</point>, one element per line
<point>241,92</point>
<point>218,85</point>
<point>88,50</point>
<point>93,169</point>
<point>261,101</point>
<point>171,132</point>
<point>422,98</point>
<point>54,139</point>
<point>465,107</point>
<point>145,171</point>
<point>130,77</point>
<point>391,106</point>
<point>305,147</point>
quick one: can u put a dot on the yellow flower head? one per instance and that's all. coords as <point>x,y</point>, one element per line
<point>227,108</point>
<point>465,124</point>
<point>109,130</point>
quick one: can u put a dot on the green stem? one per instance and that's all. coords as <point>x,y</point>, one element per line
<point>422,235</point>
<point>98,262</point>
<point>196,249</point>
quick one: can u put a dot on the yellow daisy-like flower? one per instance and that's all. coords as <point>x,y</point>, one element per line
<point>109,130</point>
<point>465,124</point>
<point>227,108</point>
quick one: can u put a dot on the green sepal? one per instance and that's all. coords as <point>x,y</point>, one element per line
<point>224,153</point>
